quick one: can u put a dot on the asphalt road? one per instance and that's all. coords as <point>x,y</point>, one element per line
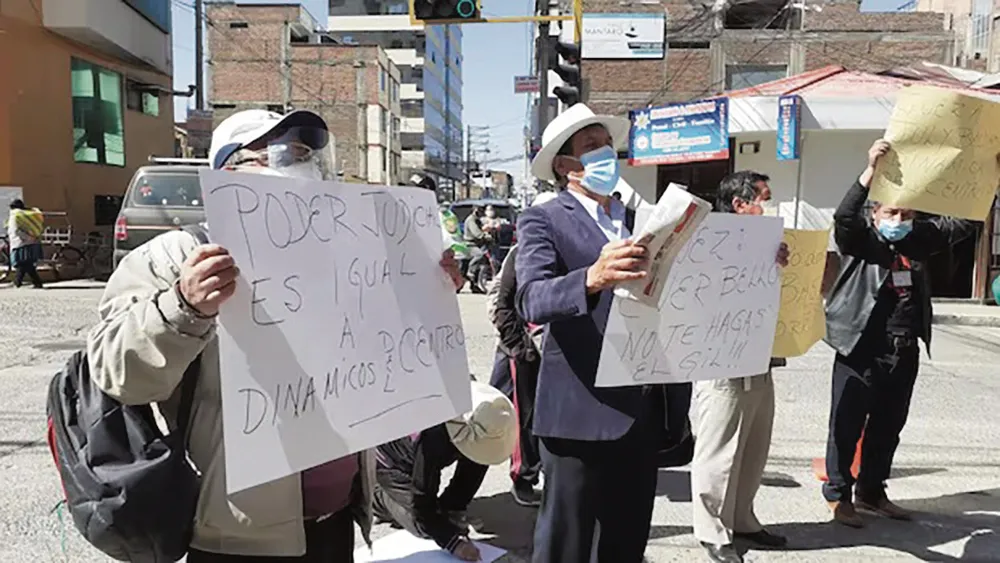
<point>948,466</point>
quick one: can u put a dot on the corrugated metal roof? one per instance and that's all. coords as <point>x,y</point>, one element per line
<point>838,82</point>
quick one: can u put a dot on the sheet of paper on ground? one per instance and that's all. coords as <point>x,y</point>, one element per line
<point>801,319</point>
<point>716,317</point>
<point>944,154</point>
<point>672,222</point>
<point>344,333</point>
<point>403,547</point>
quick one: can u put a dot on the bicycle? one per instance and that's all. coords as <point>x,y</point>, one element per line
<point>6,265</point>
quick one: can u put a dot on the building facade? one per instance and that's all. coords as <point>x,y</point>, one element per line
<point>270,56</point>
<point>91,103</point>
<point>714,47</point>
<point>430,63</point>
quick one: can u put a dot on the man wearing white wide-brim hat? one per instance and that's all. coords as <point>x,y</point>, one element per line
<point>597,445</point>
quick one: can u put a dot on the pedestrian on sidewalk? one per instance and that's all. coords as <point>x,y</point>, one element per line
<point>878,309</point>
<point>408,472</point>
<point>158,316</point>
<point>24,232</point>
<point>515,373</point>
<point>733,424</point>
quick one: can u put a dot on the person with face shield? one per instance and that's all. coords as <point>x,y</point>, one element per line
<point>158,316</point>
<point>877,312</point>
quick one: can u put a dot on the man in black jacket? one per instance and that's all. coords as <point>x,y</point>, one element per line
<point>878,309</point>
<point>408,473</point>
<point>515,373</point>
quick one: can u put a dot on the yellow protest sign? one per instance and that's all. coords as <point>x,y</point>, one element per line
<point>944,154</point>
<point>801,320</point>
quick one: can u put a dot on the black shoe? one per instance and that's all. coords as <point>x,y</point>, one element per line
<point>762,538</point>
<point>723,553</point>
<point>525,494</point>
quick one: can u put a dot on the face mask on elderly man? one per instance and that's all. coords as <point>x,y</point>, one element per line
<point>600,171</point>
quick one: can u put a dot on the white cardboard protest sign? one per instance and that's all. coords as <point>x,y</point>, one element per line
<point>344,332</point>
<point>716,317</point>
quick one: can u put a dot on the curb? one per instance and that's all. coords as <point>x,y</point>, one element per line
<point>989,321</point>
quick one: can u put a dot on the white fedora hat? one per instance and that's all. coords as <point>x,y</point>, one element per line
<point>564,126</point>
<point>487,434</point>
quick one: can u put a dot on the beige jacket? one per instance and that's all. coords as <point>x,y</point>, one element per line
<point>138,353</point>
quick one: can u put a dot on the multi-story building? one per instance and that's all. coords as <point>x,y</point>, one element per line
<point>85,99</point>
<point>971,20</point>
<point>271,56</point>
<point>430,63</point>
<point>734,44</point>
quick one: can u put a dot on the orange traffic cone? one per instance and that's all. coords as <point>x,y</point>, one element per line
<point>819,464</point>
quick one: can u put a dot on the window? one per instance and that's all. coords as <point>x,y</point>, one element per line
<point>238,25</point>
<point>167,190</point>
<point>415,108</point>
<point>98,135</point>
<point>381,80</point>
<point>138,98</point>
<point>748,76</point>
<point>156,11</point>
<point>383,122</point>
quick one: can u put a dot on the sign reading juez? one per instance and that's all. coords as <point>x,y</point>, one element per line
<point>343,333</point>
<point>688,132</point>
<point>716,317</point>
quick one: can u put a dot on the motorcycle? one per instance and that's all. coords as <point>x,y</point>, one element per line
<point>485,261</point>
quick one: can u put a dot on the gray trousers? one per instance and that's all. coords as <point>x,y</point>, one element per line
<point>733,436</point>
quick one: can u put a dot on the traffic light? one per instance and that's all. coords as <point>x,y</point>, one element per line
<point>569,70</point>
<point>431,12</point>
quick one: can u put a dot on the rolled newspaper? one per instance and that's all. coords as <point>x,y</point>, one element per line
<point>672,222</point>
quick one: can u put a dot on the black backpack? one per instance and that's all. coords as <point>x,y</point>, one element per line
<point>130,489</point>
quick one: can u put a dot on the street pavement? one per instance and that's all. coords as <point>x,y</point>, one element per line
<point>946,468</point>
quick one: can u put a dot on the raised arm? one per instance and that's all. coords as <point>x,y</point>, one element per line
<point>850,227</point>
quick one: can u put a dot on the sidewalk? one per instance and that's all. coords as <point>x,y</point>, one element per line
<point>966,313</point>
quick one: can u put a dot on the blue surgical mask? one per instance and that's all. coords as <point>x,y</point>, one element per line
<point>600,170</point>
<point>894,230</point>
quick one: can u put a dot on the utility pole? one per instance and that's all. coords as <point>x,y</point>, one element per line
<point>468,160</point>
<point>542,52</point>
<point>199,54</point>
<point>479,135</point>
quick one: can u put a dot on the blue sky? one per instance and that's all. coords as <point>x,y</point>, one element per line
<point>494,54</point>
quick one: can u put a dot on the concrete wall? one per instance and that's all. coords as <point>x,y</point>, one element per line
<point>36,122</point>
<point>831,161</point>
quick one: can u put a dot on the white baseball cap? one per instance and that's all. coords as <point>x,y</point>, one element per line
<point>242,129</point>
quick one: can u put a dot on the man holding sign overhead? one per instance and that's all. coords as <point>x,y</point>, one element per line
<point>878,309</point>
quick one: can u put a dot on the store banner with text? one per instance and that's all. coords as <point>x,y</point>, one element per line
<point>679,133</point>
<point>325,350</point>
<point>944,154</point>
<point>716,317</point>
<point>801,320</point>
